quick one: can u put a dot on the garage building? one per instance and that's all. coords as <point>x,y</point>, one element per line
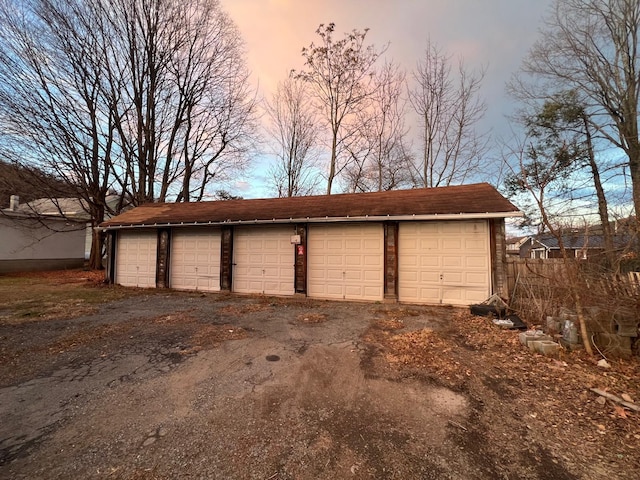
<point>432,245</point>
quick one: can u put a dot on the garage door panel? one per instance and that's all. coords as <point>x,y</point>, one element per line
<point>373,276</point>
<point>452,244</point>
<point>353,260</point>
<point>353,290</point>
<point>353,244</point>
<point>480,227</point>
<point>371,261</point>
<point>473,278</point>
<point>429,295</point>
<point>474,244</point>
<point>452,295</point>
<point>136,259</point>
<point>333,274</point>
<point>334,260</point>
<point>350,257</point>
<point>452,262</point>
<point>450,266</point>
<point>353,276</point>
<point>195,259</point>
<point>427,261</point>
<point>263,258</point>
<point>480,263</point>
<point>453,277</point>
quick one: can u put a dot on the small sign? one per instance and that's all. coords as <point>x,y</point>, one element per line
<point>295,239</point>
<point>300,249</point>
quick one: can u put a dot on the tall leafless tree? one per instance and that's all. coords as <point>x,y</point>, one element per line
<point>295,132</point>
<point>592,47</point>
<point>50,108</point>
<point>449,108</point>
<point>179,89</point>
<point>379,156</point>
<point>340,74</point>
<point>145,96</point>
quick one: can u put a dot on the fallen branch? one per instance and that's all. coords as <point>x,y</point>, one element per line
<point>456,424</point>
<point>630,405</point>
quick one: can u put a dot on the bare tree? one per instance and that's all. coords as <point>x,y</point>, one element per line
<point>592,46</point>
<point>379,159</point>
<point>564,125</point>
<point>449,109</point>
<point>340,74</point>
<point>295,132</point>
<point>50,74</point>
<point>146,97</point>
<point>540,171</point>
<point>178,87</point>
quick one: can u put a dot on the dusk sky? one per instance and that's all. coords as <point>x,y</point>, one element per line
<point>491,33</point>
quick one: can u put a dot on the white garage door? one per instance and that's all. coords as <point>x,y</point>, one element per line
<point>136,259</point>
<point>346,261</point>
<point>195,259</point>
<point>444,262</point>
<point>263,259</point>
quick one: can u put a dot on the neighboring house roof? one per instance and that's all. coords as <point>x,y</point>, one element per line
<point>464,201</point>
<point>579,241</point>
<point>73,208</point>
<point>31,217</point>
<point>514,243</point>
<point>68,207</point>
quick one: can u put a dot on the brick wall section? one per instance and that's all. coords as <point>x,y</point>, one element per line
<point>301,260</point>
<point>391,261</point>
<point>226,258</point>
<point>499,257</point>
<point>110,242</point>
<point>162,262</point>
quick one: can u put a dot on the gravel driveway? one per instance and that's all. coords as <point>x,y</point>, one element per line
<point>188,385</point>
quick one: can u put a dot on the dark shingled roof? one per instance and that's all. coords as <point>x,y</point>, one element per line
<point>582,241</point>
<point>476,199</point>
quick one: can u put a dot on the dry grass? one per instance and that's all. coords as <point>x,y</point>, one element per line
<point>389,324</point>
<point>37,296</point>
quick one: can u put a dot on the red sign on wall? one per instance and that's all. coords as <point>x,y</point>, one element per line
<point>300,249</point>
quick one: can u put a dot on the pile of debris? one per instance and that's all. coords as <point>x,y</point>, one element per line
<point>613,334</point>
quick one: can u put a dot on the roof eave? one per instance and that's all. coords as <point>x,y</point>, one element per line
<point>366,218</point>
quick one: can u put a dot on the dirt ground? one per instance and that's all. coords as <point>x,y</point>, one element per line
<point>106,382</point>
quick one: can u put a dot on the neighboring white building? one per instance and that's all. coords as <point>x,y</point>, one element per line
<point>29,242</point>
<point>74,209</point>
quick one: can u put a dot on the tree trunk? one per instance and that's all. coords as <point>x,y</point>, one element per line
<point>634,171</point>
<point>603,209</point>
<point>97,238</point>
<point>97,244</point>
<point>332,166</point>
